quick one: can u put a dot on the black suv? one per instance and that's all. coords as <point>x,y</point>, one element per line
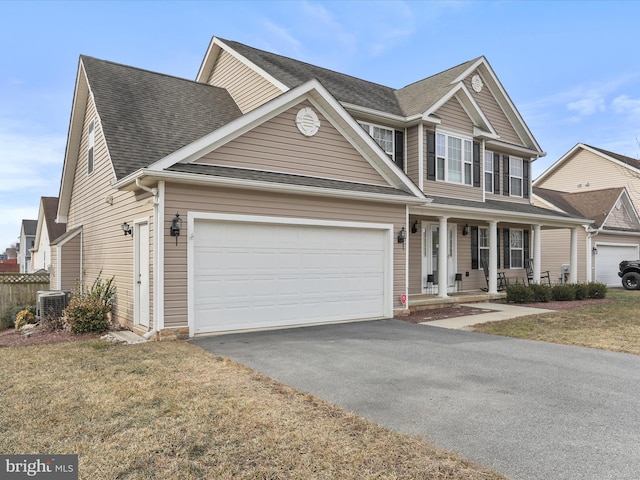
<point>629,271</point>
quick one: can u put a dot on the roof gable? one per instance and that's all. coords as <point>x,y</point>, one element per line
<point>608,208</point>
<point>314,94</point>
<point>419,99</point>
<point>622,160</point>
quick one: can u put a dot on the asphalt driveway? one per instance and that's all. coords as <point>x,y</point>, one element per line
<point>529,410</point>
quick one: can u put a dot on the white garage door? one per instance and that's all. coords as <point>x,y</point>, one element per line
<point>607,260</point>
<point>258,275</point>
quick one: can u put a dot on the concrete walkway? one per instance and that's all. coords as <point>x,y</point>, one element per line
<point>499,311</point>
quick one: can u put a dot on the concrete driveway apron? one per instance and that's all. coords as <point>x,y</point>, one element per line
<point>529,410</point>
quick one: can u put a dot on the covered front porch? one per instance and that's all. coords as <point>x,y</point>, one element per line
<point>459,250</point>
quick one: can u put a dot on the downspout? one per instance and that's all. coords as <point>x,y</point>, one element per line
<point>156,202</point>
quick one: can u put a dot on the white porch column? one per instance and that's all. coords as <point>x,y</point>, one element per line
<point>573,269</point>
<point>443,250</point>
<point>537,253</point>
<point>493,256</point>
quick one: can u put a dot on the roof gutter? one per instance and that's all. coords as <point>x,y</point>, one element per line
<point>198,179</point>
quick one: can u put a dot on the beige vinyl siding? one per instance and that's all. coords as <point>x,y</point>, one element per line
<point>412,156</point>
<point>70,256</point>
<point>105,249</point>
<point>592,172</point>
<point>555,247</point>
<point>278,146</point>
<point>53,271</point>
<point>454,117</point>
<point>494,113</point>
<point>185,198</point>
<point>248,89</point>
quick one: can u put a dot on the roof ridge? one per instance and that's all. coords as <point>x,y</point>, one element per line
<point>306,63</point>
<point>442,72</point>
<point>146,70</point>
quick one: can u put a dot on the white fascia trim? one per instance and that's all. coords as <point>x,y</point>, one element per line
<point>500,216</point>
<point>277,83</point>
<point>396,120</point>
<point>547,203</point>
<point>558,163</point>
<point>197,179</point>
<point>524,151</point>
<point>482,61</point>
<point>80,95</point>
<point>315,93</point>
<point>476,112</point>
<point>626,201</point>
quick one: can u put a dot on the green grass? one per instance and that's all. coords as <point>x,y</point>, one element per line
<point>611,325</point>
<point>170,410</point>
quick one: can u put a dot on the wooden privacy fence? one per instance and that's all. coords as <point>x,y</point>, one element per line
<point>20,289</point>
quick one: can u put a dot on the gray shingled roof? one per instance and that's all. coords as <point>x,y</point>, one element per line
<point>343,87</point>
<point>146,116</point>
<point>622,158</point>
<point>419,96</point>
<point>500,206</point>
<point>283,178</point>
<point>592,204</point>
<point>50,207</point>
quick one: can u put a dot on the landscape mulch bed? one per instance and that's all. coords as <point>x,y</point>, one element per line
<point>12,338</point>
<point>452,311</point>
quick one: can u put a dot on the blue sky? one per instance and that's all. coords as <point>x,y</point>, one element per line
<point>571,68</point>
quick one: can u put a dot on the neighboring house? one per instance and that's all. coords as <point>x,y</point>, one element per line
<point>271,192</point>
<point>613,235</point>
<point>585,169</point>
<point>46,231</point>
<point>25,244</point>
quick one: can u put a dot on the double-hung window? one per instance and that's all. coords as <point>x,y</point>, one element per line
<point>382,136</point>
<point>453,159</point>
<point>516,170</point>
<point>516,248</point>
<point>483,246</point>
<point>90,144</point>
<point>488,171</point>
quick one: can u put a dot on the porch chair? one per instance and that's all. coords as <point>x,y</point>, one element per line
<point>503,282</point>
<point>544,276</point>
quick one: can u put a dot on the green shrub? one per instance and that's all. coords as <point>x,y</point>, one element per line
<point>103,290</point>
<point>563,292</point>
<point>582,291</point>
<point>8,319</point>
<point>596,290</point>
<point>87,314</point>
<point>519,293</point>
<point>541,292</point>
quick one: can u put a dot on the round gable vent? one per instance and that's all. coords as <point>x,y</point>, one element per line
<point>307,122</point>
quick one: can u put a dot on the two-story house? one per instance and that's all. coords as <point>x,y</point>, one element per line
<point>603,186</point>
<point>270,192</point>
<point>47,231</point>
<point>26,243</point>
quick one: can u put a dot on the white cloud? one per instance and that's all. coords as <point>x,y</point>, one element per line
<point>628,106</point>
<point>594,102</point>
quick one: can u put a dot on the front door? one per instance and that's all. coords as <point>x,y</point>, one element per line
<point>141,274</point>
<point>430,251</point>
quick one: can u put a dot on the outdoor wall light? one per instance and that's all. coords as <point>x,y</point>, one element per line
<point>465,230</point>
<point>126,228</point>
<point>176,226</point>
<point>594,250</point>
<point>414,227</point>
<point>402,235</point>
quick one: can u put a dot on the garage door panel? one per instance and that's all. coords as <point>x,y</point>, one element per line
<point>254,275</point>
<point>607,260</point>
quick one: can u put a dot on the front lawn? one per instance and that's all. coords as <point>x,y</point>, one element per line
<point>608,325</point>
<point>171,410</point>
